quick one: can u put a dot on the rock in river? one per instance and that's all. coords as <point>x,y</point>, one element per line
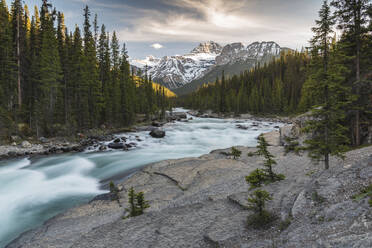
<point>117,144</point>
<point>157,133</point>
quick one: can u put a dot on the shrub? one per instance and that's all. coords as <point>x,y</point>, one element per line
<point>269,160</point>
<point>256,178</point>
<point>235,153</point>
<point>114,192</point>
<point>257,202</point>
<point>137,203</point>
<point>142,204</point>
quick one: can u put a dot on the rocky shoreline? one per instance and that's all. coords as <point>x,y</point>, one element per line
<point>201,202</point>
<point>44,147</point>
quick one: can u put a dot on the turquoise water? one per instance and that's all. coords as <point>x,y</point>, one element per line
<point>32,191</point>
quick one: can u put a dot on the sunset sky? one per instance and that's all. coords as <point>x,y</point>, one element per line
<point>168,27</point>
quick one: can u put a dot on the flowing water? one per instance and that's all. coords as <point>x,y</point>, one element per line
<point>32,191</point>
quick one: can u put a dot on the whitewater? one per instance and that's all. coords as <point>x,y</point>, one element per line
<point>34,190</point>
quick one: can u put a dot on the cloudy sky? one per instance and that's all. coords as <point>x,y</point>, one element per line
<point>168,27</point>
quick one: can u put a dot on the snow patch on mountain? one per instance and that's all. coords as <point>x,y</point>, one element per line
<point>176,71</point>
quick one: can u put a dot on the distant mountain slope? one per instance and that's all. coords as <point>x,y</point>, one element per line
<point>176,71</point>
<point>157,87</point>
<point>185,73</point>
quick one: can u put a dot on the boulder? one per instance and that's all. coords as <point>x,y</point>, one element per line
<point>26,144</point>
<point>157,133</point>
<point>272,138</point>
<point>103,148</point>
<point>180,115</point>
<point>116,145</point>
<point>242,127</point>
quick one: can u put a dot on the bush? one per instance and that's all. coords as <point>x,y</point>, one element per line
<point>114,192</point>
<point>258,221</point>
<point>137,203</point>
<point>257,201</point>
<point>260,217</point>
<point>256,178</point>
<point>235,153</point>
<point>268,162</point>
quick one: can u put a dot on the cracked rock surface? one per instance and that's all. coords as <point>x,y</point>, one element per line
<point>201,202</point>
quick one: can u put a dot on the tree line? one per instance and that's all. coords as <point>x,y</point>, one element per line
<point>332,77</point>
<point>56,82</point>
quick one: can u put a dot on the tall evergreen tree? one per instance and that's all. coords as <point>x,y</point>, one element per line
<point>50,74</point>
<point>352,18</point>
<point>328,133</point>
<point>91,87</point>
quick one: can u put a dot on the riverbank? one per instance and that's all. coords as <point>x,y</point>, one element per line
<point>201,202</point>
<point>31,147</point>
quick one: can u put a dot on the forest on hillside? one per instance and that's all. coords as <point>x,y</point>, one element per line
<point>55,81</point>
<point>333,74</point>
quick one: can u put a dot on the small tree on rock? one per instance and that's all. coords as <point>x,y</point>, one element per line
<point>142,204</point>
<point>269,160</point>
<point>257,202</point>
<point>236,153</point>
<point>137,203</point>
<point>132,203</point>
<point>256,178</point>
<point>114,192</point>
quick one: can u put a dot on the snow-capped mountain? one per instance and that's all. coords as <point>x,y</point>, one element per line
<point>177,71</point>
<point>237,52</point>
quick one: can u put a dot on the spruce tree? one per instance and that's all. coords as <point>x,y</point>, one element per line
<point>352,16</point>
<point>328,135</point>
<point>91,81</point>
<point>50,74</point>
<point>268,162</point>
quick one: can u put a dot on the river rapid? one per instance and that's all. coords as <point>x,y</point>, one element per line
<point>33,191</point>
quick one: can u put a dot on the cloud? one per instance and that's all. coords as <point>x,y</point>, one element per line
<point>223,21</point>
<point>157,46</point>
<point>288,22</point>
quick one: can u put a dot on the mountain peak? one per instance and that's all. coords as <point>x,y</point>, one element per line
<point>208,47</point>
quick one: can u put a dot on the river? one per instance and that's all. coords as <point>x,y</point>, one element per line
<point>32,191</point>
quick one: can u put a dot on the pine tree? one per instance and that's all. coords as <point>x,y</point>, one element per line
<point>328,133</point>
<point>132,203</point>
<point>8,81</point>
<point>269,160</point>
<point>142,204</point>
<point>352,16</point>
<point>16,21</point>
<point>257,202</point>
<point>236,153</point>
<point>90,76</point>
<point>50,74</point>
<point>256,178</point>
<point>114,88</point>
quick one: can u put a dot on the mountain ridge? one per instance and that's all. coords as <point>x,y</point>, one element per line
<point>178,71</point>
